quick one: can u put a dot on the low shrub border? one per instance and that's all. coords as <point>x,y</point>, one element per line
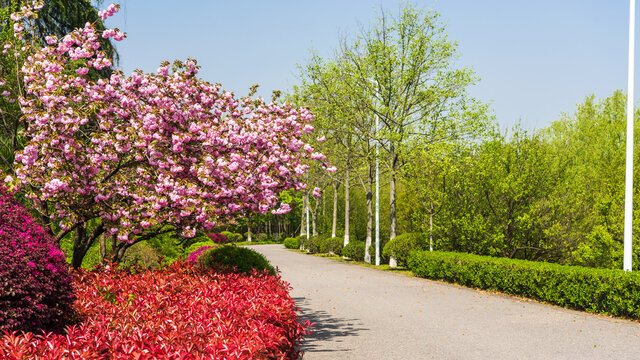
<point>177,312</point>
<point>613,292</point>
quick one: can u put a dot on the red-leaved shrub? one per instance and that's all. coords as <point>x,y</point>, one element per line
<point>35,285</point>
<point>177,312</point>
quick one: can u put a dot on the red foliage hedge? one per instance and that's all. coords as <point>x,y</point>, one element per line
<point>35,284</point>
<point>178,312</point>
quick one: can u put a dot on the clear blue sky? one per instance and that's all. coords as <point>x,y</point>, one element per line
<point>536,59</point>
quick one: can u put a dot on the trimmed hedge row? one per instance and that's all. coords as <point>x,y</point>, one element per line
<point>613,292</point>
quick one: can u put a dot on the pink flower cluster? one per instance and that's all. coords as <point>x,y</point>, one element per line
<point>193,257</point>
<point>217,238</point>
<point>148,149</point>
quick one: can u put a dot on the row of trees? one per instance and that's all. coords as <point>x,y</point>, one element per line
<point>555,194</point>
<point>391,89</point>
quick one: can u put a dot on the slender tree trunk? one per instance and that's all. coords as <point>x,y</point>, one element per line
<point>347,188</point>
<point>314,219</point>
<point>103,248</point>
<point>431,227</point>
<point>367,255</point>
<point>334,223</point>
<point>305,208</point>
<point>392,199</point>
<point>249,229</point>
<point>392,202</point>
<point>303,218</point>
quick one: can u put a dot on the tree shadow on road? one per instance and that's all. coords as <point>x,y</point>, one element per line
<point>326,328</point>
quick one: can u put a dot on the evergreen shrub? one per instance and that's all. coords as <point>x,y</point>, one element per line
<point>237,237</point>
<point>303,242</point>
<point>35,284</point>
<point>235,258</point>
<point>354,250</point>
<point>291,243</point>
<point>614,292</point>
<point>231,237</point>
<point>401,246</point>
<point>314,244</point>
<point>144,255</point>
<point>261,237</point>
<point>372,250</point>
<point>332,245</point>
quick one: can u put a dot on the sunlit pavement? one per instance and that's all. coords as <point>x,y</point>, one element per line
<point>363,313</point>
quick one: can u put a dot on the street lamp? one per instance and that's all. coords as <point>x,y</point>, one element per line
<point>628,196</point>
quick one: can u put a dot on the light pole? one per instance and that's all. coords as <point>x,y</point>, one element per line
<point>377,185</point>
<point>377,196</point>
<point>628,196</point>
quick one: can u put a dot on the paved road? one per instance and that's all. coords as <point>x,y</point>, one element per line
<point>363,313</point>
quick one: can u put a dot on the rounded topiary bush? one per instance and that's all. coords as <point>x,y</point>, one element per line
<point>231,237</point>
<point>235,258</point>
<point>332,245</point>
<point>261,237</point>
<point>314,244</point>
<point>142,254</point>
<point>35,283</point>
<point>354,250</point>
<point>291,243</point>
<point>401,246</point>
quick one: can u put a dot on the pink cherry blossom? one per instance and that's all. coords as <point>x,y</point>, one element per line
<point>165,148</point>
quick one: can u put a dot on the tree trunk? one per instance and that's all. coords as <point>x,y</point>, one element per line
<point>82,242</point>
<point>303,217</point>
<point>347,188</point>
<point>249,229</point>
<point>118,249</point>
<point>367,255</point>
<point>314,219</point>
<point>269,229</point>
<point>334,223</point>
<point>103,249</point>
<point>392,203</point>
<point>392,198</point>
<point>431,227</point>
<point>80,246</point>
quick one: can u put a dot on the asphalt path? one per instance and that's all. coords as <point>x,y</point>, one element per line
<point>364,313</point>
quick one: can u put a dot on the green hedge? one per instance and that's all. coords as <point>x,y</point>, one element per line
<point>314,244</point>
<point>613,292</point>
<point>235,258</point>
<point>402,245</point>
<point>291,243</point>
<point>354,250</point>
<point>331,245</point>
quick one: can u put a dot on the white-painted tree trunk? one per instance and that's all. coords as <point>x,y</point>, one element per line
<point>334,224</point>
<point>346,206</point>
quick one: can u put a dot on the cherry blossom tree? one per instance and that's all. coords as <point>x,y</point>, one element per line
<point>147,151</point>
